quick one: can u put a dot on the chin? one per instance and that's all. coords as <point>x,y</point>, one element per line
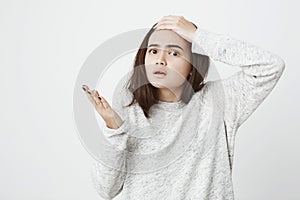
<point>157,85</point>
<point>165,83</point>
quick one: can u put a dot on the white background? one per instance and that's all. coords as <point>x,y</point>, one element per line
<point>42,47</point>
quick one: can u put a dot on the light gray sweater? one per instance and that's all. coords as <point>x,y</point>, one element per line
<point>185,151</point>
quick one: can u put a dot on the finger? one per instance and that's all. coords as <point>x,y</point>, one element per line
<point>170,26</point>
<point>170,17</point>
<point>166,20</point>
<point>167,24</point>
<point>105,103</point>
<point>95,95</point>
<point>173,19</point>
<point>92,100</point>
<point>91,94</point>
<point>85,88</point>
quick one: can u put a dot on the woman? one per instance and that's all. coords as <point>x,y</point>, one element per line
<point>196,122</point>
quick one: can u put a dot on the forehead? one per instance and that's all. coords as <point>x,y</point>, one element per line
<point>165,37</point>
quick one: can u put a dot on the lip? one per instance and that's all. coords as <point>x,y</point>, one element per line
<point>160,70</point>
<point>159,75</point>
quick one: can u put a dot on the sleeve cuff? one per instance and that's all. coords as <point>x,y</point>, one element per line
<point>109,132</point>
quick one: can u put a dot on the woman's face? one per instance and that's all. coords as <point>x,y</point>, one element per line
<point>169,52</point>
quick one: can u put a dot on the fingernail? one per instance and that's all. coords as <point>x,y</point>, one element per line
<point>83,88</point>
<point>99,98</point>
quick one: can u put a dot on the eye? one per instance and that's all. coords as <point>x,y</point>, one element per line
<point>152,51</point>
<point>175,53</point>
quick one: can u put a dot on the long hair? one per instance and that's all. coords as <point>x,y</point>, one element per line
<point>146,94</point>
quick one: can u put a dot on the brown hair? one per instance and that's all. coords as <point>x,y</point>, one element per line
<point>146,94</point>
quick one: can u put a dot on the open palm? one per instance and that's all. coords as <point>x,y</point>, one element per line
<point>111,118</point>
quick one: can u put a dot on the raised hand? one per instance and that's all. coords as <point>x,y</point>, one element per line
<point>111,118</point>
<point>178,24</point>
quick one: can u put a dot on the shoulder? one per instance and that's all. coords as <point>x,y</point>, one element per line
<point>210,87</point>
<point>212,94</point>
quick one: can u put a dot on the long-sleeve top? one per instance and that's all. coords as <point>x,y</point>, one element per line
<point>185,151</point>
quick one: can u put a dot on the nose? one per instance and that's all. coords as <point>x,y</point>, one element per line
<point>161,59</point>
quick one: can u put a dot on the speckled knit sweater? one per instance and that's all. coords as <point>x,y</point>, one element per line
<point>186,150</point>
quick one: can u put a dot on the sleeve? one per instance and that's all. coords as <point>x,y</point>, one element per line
<point>245,90</point>
<point>108,181</point>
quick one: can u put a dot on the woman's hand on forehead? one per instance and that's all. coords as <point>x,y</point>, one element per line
<point>179,25</point>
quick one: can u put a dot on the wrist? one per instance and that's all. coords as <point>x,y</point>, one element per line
<point>115,124</point>
<point>112,126</point>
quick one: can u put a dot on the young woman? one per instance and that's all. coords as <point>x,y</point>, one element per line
<point>196,121</point>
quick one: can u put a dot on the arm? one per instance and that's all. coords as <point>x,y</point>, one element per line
<point>245,90</point>
<point>108,181</point>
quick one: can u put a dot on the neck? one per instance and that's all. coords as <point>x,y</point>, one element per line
<point>168,95</point>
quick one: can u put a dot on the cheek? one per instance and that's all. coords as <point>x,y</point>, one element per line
<point>148,68</point>
<point>182,68</point>
<point>147,62</point>
<point>148,59</point>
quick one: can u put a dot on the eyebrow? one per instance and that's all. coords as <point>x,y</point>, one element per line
<point>169,45</point>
